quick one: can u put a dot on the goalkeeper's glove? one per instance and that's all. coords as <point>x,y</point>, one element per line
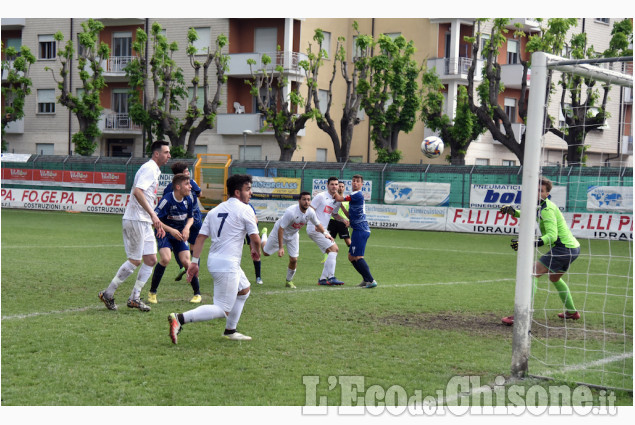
<point>539,242</point>
<point>508,209</point>
<point>514,244</point>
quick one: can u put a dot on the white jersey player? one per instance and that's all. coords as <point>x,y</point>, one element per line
<point>286,231</point>
<point>138,237</point>
<point>226,225</point>
<point>325,207</point>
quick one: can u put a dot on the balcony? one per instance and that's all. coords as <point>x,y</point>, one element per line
<point>15,127</point>
<point>238,66</point>
<point>114,67</point>
<point>114,123</point>
<point>13,23</point>
<point>455,68</point>
<point>235,124</point>
<point>512,76</point>
<point>9,68</point>
<point>526,25</point>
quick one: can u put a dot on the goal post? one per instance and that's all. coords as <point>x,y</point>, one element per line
<point>539,98</point>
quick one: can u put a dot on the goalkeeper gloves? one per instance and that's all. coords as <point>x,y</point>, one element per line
<point>514,244</point>
<point>508,209</point>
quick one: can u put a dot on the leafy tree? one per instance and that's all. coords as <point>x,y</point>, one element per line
<point>18,84</point>
<point>353,97</point>
<point>457,132</point>
<point>279,110</point>
<point>392,97</point>
<point>157,108</point>
<point>582,101</point>
<point>488,110</point>
<point>86,104</point>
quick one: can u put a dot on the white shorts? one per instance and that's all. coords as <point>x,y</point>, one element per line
<point>138,239</point>
<point>322,242</point>
<point>226,287</point>
<point>292,244</point>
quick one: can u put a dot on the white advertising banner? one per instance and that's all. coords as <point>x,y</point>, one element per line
<point>65,200</point>
<point>610,198</point>
<point>417,193</point>
<point>497,195</point>
<point>320,185</point>
<point>601,225</point>
<point>489,221</point>
<point>406,217</point>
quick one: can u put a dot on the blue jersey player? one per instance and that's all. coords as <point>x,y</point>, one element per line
<point>178,168</point>
<point>361,231</point>
<point>176,212</point>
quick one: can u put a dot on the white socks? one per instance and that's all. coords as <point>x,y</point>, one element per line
<point>290,274</point>
<point>142,277</point>
<point>123,273</point>
<point>203,313</point>
<point>329,266</point>
<point>234,315</point>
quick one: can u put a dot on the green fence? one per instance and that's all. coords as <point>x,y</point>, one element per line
<point>577,179</point>
<point>460,178</point>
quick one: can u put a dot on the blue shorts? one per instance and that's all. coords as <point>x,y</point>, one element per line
<point>559,258</point>
<point>174,244</point>
<point>358,243</point>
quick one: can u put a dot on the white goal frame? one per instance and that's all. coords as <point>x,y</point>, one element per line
<point>541,63</point>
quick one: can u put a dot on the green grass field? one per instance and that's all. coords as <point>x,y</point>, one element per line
<point>435,315</point>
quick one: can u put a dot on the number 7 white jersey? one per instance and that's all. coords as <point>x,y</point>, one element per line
<point>227,225</point>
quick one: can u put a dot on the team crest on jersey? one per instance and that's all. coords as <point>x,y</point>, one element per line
<point>328,209</point>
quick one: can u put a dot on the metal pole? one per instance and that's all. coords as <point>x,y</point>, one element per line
<point>525,258</point>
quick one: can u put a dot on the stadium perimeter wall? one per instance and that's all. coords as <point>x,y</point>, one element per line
<point>60,183</point>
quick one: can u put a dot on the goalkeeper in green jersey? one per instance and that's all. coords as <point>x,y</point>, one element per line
<point>565,248</point>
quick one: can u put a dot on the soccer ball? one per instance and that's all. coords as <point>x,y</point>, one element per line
<point>432,147</point>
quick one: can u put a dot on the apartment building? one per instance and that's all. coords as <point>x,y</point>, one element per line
<point>48,126</point>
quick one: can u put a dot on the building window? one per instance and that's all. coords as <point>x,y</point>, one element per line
<point>509,163</point>
<point>513,48</point>
<point>510,109</point>
<point>253,153</point>
<point>603,20</point>
<point>46,49</point>
<point>46,101</point>
<point>326,43</point>
<point>45,148</point>
<point>16,43</point>
<point>200,97</point>
<point>481,161</point>
<point>203,42</point>
<point>200,149</point>
<point>323,98</point>
<point>320,155</point>
<point>484,45</point>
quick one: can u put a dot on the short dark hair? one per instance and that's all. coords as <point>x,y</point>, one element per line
<point>357,176</point>
<point>331,179</point>
<point>156,145</point>
<point>546,183</point>
<point>304,194</point>
<point>236,182</point>
<point>179,167</point>
<point>178,179</point>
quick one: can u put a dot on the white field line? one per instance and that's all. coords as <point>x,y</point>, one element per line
<point>490,387</point>
<point>98,304</point>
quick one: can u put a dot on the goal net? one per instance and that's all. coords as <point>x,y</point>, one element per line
<point>580,138</point>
